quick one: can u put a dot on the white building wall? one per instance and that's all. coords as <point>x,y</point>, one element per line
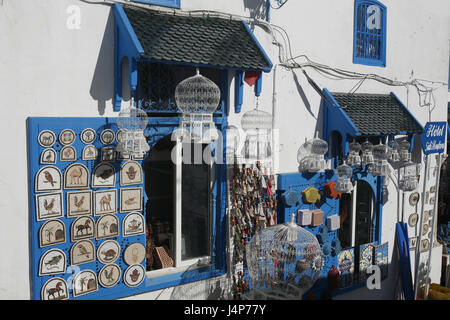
<point>48,69</point>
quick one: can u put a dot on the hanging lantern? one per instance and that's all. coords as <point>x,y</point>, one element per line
<point>310,155</point>
<point>132,123</point>
<point>197,97</point>
<point>409,176</point>
<point>344,173</point>
<point>353,158</point>
<point>257,125</point>
<point>367,155</point>
<point>283,261</point>
<point>380,156</point>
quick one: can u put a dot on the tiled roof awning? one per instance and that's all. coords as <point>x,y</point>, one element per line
<point>144,34</point>
<point>370,115</point>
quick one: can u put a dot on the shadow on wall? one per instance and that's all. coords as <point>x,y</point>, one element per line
<point>257,8</point>
<point>102,86</point>
<point>209,289</point>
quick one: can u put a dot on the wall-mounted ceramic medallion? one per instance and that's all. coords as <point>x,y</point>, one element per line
<point>68,153</point>
<point>52,262</point>
<point>48,179</point>
<point>46,138</point>
<point>130,199</point>
<point>425,229</point>
<point>424,245</point>
<point>89,152</point>
<point>133,224</point>
<point>425,215</point>
<point>82,228</point>
<point>105,201</point>
<point>412,243</point>
<point>55,289</point>
<point>134,253</point>
<point>107,136</point>
<point>67,137</point>
<point>108,251</point>
<point>120,135</point>
<point>88,135</point>
<point>134,275</point>
<point>76,176</point>
<point>52,232</point>
<point>104,175</point>
<point>412,220</point>
<point>109,275</point>
<point>107,226</point>
<point>414,198</point>
<point>130,173</point>
<point>82,252</point>
<point>84,282</point>
<point>48,206</point>
<point>48,156</point>
<point>108,154</point>
<point>79,203</point>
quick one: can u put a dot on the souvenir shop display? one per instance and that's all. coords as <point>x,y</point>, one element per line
<point>344,173</point>
<point>132,123</point>
<point>310,155</point>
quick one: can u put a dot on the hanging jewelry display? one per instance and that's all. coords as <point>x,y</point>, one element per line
<point>310,155</point>
<point>283,261</point>
<point>197,97</point>
<point>257,125</point>
<point>132,123</point>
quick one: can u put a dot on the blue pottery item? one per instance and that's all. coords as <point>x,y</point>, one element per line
<point>290,197</point>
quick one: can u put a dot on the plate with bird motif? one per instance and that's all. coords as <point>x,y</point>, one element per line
<point>49,206</point>
<point>109,275</point>
<point>79,203</point>
<point>81,252</point>
<point>48,179</point>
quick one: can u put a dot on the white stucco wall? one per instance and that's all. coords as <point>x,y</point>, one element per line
<point>47,69</point>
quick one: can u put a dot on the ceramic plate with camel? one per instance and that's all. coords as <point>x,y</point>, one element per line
<point>76,176</point>
<point>105,202</point>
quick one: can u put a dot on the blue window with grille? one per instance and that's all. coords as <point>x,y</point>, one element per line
<point>164,3</point>
<point>369,41</point>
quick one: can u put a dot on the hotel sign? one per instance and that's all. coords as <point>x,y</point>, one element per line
<point>433,138</point>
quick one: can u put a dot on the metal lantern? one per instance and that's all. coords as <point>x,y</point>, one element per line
<point>310,155</point>
<point>283,261</point>
<point>132,123</point>
<point>344,184</point>
<point>353,158</point>
<point>197,97</point>
<point>257,125</point>
<point>409,176</point>
<point>380,156</point>
<point>367,155</point>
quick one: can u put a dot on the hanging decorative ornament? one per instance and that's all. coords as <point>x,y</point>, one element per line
<point>283,261</point>
<point>403,151</point>
<point>393,153</point>
<point>197,97</point>
<point>353,158</point>
<point>344,173</point>
<point>367,155</point>
<point>132,123</point>
<point>257,125</point>
<point>380,156</point>
<point>310,155</point>
<point>409,176</point>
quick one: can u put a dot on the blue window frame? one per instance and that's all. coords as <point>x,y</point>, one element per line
<point>164,3</point>
<point>369,39</point>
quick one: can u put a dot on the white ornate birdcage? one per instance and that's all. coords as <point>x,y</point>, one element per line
<point>344,184</point>
<point>353,157</point>
<point>367,153</point>
<point>233,139</point>
<point>310,155</point>
<point>380,156</point>
<point>284,261</point>
<point>197,97</point>
<point>257,125</point>
<point>409,176</point>
<point>403,151</point>
<point>132,123</point>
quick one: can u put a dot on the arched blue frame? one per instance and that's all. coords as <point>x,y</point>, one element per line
<point>369,38</point>
<point>164,3</point>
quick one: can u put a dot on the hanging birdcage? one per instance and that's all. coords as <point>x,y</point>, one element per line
<point>353,158</point>
<point>344,184</point>
<point>257,125</point>
<point>132,123</point>
<point>310,155</point>
<point>197,97</point>
<point>367,155</point>
<point>403,151</point>
<point>409,176</point>
<point>284,261</point>
<point>380,156</point>
<point>233,137</point>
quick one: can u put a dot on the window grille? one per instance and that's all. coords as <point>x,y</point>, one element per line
<point>370,33</point>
